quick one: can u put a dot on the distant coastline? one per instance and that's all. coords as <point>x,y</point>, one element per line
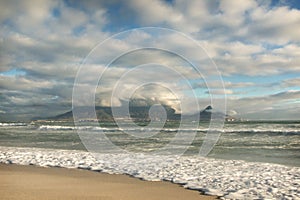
<point>141,114</point>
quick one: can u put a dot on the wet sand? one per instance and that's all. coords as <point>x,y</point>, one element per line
<point>31,182</point>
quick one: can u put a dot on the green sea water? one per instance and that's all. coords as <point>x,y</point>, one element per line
<point>271,142</point>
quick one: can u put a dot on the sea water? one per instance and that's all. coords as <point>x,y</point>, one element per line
<point>243,163</point>
<point>270,142</point>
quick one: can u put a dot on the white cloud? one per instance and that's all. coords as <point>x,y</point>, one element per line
<point>153,12</point>
<point>234,12</point>
<point>219,91</point>
<point>278,106</point>
<point>22,83</point>
<point>249,38</point>
<point>291,82</point>
<point>277,25</point>
<point>227,85</point>
<point>232,112</point>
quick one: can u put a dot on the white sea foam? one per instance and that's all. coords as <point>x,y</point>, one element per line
<point>229,179</point>
<point>259,129</point>
<point>13,124</point>
<point>56,127</point>
<point>225,130</point>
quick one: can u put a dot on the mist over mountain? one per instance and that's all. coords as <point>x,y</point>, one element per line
<point>138,110</point>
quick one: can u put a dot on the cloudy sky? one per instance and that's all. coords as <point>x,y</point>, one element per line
<point>253,46</point>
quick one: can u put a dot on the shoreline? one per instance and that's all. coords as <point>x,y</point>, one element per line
<point>35,182</point>
<point>230,179</point>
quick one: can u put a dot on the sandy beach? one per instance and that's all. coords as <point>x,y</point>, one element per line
<point>31,182</point>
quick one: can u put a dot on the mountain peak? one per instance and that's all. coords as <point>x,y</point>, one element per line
<point>208,108</point>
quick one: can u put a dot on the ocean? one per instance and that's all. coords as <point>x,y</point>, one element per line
<point>270,142</point>
<point>250,159</point>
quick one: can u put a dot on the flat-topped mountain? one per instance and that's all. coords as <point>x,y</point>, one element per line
<point>139,113</point>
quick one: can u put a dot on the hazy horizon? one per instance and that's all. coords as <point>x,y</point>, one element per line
<point>254,44</point>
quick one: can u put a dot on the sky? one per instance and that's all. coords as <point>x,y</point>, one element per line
<point>251,46</point>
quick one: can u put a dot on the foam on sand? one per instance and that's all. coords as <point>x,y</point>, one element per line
<point>229,179</point>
